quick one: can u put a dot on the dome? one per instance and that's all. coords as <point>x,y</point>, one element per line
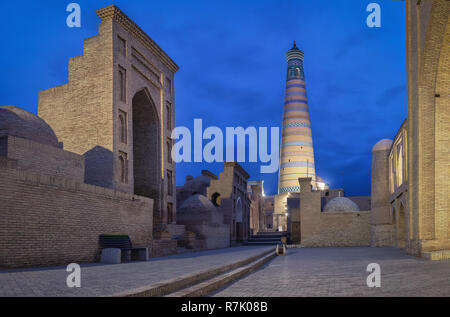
<point>382,145</point>
<point>199,203</point>
<point>17,122</point>
<point>341,204</point>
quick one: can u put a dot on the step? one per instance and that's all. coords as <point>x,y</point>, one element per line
<point>261,243</point>
<point>172,285</point>
<point>209,286</point>
<point>267,235</point>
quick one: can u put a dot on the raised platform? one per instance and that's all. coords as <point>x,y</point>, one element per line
<point>134,278</point>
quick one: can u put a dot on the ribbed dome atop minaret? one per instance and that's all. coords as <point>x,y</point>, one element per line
<point>297,155</point>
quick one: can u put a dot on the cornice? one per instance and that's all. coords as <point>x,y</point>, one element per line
<point>114,13</point>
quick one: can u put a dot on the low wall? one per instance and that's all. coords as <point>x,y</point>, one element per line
<point>327,229</point>
<point>212,236</point>
<point>55,221</point>
<point>44,159</point>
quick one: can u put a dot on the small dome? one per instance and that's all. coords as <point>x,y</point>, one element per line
<point>382,145</point>
<point>341,204</point>
<point>199,203</point>
<point>17,122</point>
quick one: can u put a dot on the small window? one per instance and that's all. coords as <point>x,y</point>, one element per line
<point>169,151</point>
<point>169,183</point>
<point>169,86</point>
<point>170,217</point>
<point>123,165</point>
<point>122,84</point>
<point>169,116</point>
<point>122,46</point>
<point>123,130</point>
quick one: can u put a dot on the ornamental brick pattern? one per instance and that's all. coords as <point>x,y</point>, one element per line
<point>117,110</point>
<point>297,154</point>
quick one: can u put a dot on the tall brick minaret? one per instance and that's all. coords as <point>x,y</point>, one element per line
<point>297,154</point>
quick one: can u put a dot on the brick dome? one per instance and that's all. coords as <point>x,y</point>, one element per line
<point>341,204</point>
<point>382,145</point>
<point>17,122</point>
<point>199,203</point>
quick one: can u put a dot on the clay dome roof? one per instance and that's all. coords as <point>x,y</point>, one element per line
<point>382,145</point>
<point>341,204</point>
<point>17,122</point>
<point>199,203</point>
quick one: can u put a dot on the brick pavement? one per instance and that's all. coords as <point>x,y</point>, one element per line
<point>100,280</point>
<point>342,272</point>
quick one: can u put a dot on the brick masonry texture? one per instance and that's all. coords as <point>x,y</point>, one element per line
<point>103,280</point>
<point>45,159</point>
<point>321,229</point>
<point>428,66</point>
<point>122,71</point>
<point>51,220</point>
<point>342,272</point>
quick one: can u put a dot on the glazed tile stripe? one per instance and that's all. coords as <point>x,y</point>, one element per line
<point>295,86</point>
<point>293,153</point>
<point>296,101</point>
<point>292,116</point>
<point>298,156</point>
<point>297,124</point>
<point>295,179</point>
<point>296,93</point>
<point>297,164</point>
<point>296,174</point>
<point>296,133</point>
<point>289,189</point>
<point>296,108</point>
<point>296,143</point>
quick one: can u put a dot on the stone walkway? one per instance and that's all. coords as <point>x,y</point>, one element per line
<point>100,280</point>
<point>342,272</point>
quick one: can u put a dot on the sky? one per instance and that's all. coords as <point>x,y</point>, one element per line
<point>233,69</point>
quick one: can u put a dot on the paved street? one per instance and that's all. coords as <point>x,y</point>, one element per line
<point>342,272</point>
<point>99,279</point>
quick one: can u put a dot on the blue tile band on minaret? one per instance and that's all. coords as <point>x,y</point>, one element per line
<point>297,153</point>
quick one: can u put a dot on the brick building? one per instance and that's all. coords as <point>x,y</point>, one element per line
<point>228,193</point>
<point>97,159</point>
<point>411,174</point>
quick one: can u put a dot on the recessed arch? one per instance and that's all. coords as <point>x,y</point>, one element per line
<point>238,210</point>
<point>146,145</point>
<point>216,199</point>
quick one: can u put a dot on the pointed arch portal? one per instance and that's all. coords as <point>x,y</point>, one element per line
<point>146,161</point>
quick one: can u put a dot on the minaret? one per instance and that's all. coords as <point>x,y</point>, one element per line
<point>296,154</point>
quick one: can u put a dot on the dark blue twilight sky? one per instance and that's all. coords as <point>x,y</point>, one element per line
<point>232,68</point>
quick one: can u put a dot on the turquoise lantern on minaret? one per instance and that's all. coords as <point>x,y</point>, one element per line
<point>295,63</point>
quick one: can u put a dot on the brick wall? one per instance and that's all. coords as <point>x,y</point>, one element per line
<point>85,112</point>
<point>428,68</point>
<point>320,229</point>
<point>56,221</point>
<point>44,159</point>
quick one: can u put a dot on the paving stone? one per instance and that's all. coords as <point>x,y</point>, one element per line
<point>102,280</point>
<point>342,272</point>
